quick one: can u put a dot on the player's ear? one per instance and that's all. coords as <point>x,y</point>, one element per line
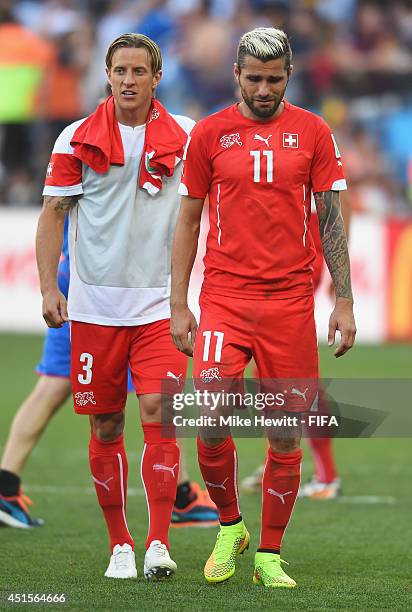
<point>107,90</point>
<point>290,70</point>
<point>236,71</point>
<point>157,77</point>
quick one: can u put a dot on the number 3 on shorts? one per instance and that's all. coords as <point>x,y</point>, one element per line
<point>86,378</point>
<point>219,343</point>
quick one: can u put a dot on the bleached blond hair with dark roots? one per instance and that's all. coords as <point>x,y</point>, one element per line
<point>264,44</point>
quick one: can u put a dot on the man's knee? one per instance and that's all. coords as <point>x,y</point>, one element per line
<point>107,427</point>
<point>151,405</point>
<point>211,442</point>
<point>284,445</point>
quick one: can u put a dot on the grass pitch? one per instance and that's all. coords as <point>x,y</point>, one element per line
<point>349,554</point>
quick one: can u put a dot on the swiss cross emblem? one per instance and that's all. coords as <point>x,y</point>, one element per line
<point>49,170</point>
<point>154,115</point>
<point>290,141</point>
<point>84,398</point>
<point>229,140</point>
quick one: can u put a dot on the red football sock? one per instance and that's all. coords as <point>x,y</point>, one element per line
<point>159,470</point>
<point>218,465</point>
<point>322,451</point>
<point>108,465</point>
<point>322,447</point>
<point>279,489</point>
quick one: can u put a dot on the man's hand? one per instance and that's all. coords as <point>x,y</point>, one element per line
<point>54,308</point>
<point>342,319</point>
<point>183,323</point>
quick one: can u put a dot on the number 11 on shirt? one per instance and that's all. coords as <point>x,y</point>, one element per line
<point>219,343</point>
<point>257,165</point>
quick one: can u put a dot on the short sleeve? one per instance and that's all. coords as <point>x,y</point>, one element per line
<point>197,167</point>
<point>64,172</point>
<point>327,167</point>
<point>186,123</point>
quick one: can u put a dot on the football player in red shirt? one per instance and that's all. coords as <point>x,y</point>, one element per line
<point>258,162</point>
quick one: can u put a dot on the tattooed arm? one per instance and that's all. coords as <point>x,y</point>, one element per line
<point>335,251</point>
<point>49,240</point>
<point>334,243</point>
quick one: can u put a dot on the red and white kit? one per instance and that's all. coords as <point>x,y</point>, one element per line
<point>119,273</point>
<point>257,293</point>
<point>257,296</point>
<point>120,237</point>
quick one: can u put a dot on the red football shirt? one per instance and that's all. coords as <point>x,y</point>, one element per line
<point>259,177</point>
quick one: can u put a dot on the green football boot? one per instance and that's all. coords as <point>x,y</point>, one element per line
<point>269,573</point>
<point>232,540</point>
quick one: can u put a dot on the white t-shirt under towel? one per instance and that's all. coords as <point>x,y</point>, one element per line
<point>120,237</point>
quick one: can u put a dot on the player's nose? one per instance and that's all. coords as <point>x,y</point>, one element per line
<point>263,90</point>
<point>128,78</point>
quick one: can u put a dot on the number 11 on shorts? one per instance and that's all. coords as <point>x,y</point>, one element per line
<point>219,343</point>
<point>86,378</point>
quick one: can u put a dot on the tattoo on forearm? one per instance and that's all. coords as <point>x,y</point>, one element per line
<point>63,203</point>
<point>335,248</point>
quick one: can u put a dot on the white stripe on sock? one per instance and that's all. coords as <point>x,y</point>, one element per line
<point>144,486</point>
<point>122,490</point>
<point>235,480</point>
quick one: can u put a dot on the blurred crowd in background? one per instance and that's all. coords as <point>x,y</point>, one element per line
<point>352,64</point>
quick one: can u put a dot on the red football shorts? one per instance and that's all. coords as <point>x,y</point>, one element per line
<point>280,335</point>
<point>100,355</point>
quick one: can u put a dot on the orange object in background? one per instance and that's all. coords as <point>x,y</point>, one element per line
<point>63,94</point>
<point>24,58</point>
<point>399,261</point>
<point>63,100</point>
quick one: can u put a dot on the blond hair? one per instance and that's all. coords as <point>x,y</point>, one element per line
<point>136,41</point>
<point>264,44</point>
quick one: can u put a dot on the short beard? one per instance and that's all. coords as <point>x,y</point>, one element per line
<point>262,113</point>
